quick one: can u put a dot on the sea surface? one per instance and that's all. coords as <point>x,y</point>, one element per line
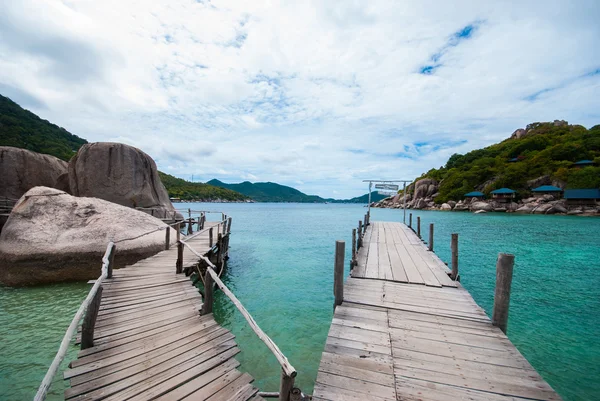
<point>281,269</point>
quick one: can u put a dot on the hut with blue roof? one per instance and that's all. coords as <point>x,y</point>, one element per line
<point>503,194</point>
<point>475,194</point>
<point>583,163</point>
<point>547,190</point>
<point>582,197</point>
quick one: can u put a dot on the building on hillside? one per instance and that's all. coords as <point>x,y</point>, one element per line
<point>503,194</point>
<point>514,160</point>
<point>547,190</point>
<point>583,163</point>
<point>582,197</point>
<point>475,194</point>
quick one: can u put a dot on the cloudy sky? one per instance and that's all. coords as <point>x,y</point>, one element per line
<point>318,95</point>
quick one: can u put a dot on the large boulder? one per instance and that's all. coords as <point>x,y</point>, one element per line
<point>52,236</point>
<point>476,206</point>
<point>425,188</point>
<point>445,206</point>
<point>121,174</point>
<point>23,169</point>
<point>420,204</point>
<point>543,208</point>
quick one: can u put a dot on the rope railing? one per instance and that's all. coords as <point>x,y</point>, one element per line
<point>288,371</point>
<point>64,345</point>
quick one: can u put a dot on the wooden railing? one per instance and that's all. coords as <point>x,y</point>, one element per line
<point>87,334</point>
<point>211,277</point>
<point>7,204</point>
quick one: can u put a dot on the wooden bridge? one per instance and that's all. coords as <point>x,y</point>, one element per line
<point>147,334</point>
<point>405,329</point>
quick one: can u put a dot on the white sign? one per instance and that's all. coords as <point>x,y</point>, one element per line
<point>387,187</point>
<point>387,193</point>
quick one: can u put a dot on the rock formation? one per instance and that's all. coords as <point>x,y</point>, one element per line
<point>52,236</point>
<point>121,174</point>
<point>23,169</point>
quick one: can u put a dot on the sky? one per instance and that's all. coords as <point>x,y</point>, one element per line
<point>318,95</point>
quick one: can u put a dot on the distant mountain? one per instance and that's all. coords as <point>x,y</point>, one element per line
<point>272,192</point>
<point>21,128</point>
<point>186,190</point>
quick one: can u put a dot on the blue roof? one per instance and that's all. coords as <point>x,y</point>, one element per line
<point>583,162</point>
<point>515,159</point>
<point>503,191</point>
<point>474,193</point>
<point>547,188</point>
<point>582,194</point>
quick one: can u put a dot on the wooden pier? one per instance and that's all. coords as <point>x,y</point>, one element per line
<point>403,329</point>
<point>147,334</point>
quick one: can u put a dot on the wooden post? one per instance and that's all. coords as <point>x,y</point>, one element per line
<point>179,265</point>
<point>338,275</point>
<point>229,226</point>
<point>504,272</point>
<point>285,386</point>
<point>189,230</point>
<point>220,250</point>
<point>353,261</point>
<point>369,218</point>
<point>168,238</point>
<point>111,261</point>
<point>178,230</point>
<point>419,226</point>
<point>210,237</point>
<point>454,249</point>
<point>359,245</point>
<point>89,321</point>
<point>431,237</point>
<point>189,213</point>
<point>207,305</point>
<point>410,221</point>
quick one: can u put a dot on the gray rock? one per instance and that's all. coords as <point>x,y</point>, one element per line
<point>451,203</point>
<point>558,208</point>
<point>461,206</point>
<point>476,206</point>
<point>518,134</point>
<point>121,174</point>
<point>499,209</point>
<point>52,236</point>
<point>548,197</point>
<point>445,206</point>
<point>524,209</point>
<point>419,204</point>
<point>480,211</point>
<point>424,188</point>
<point>543,208</point>
<point>23,169</point>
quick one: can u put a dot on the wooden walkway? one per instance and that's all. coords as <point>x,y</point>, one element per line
<point>150,341</point>
<point>405,331</point>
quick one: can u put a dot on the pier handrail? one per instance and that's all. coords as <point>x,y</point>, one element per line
<point>64,345</point>
<point>288,369</point>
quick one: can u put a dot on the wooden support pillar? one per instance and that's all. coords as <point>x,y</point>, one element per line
<point>207,302</point>
<point>369,218</point>
<point>419,226</point>
<point>189,228</point>
<point>338,274</point>
<point>229,225</point>
<point>179,264</point>
<point>454,249</point>
<point>210,237</point>
<point>504,273</point>
<point>111,261</point>
<point>353,261</point>
<point>410,221</point>
<point>189,213</point>
<point>178,231</point>
<point>220,251</point>
<point>89,320</point>
<point>168,238</point>
<point>285,386</point>
<point>431,237</point>
<point>360,230</point>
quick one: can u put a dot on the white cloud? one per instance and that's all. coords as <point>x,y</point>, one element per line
<point>323,93</point>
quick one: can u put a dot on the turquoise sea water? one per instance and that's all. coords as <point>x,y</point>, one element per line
<point>281,268</point>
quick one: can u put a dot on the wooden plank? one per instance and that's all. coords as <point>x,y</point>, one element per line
<point>412,273</point>
<point>396,265</point>
<point>357,386</point>
<point>234,389</point>
<point>199,382</point>
<point>205,392</point>
<point>385,267</point>
<point>372,266</point>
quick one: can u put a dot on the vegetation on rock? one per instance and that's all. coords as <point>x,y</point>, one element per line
<point>186,190</point>
<point>543,149</point>
<point>21,128</point>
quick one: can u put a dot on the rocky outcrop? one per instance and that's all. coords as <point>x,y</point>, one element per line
<point>480,205</point>
<point>118,173</point>
<point>518,134</point>
<point>52,236</point>
<point>445,206</point>
<point>425,188</point>
<point>23,169</point>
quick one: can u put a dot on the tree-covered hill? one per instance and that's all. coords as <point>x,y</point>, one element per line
<point>269,192</point>
<point>186,190</point>
<point>542,149</point>
<point>21,128</point>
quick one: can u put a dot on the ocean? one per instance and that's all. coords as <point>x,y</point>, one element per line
<point>281,269</point>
